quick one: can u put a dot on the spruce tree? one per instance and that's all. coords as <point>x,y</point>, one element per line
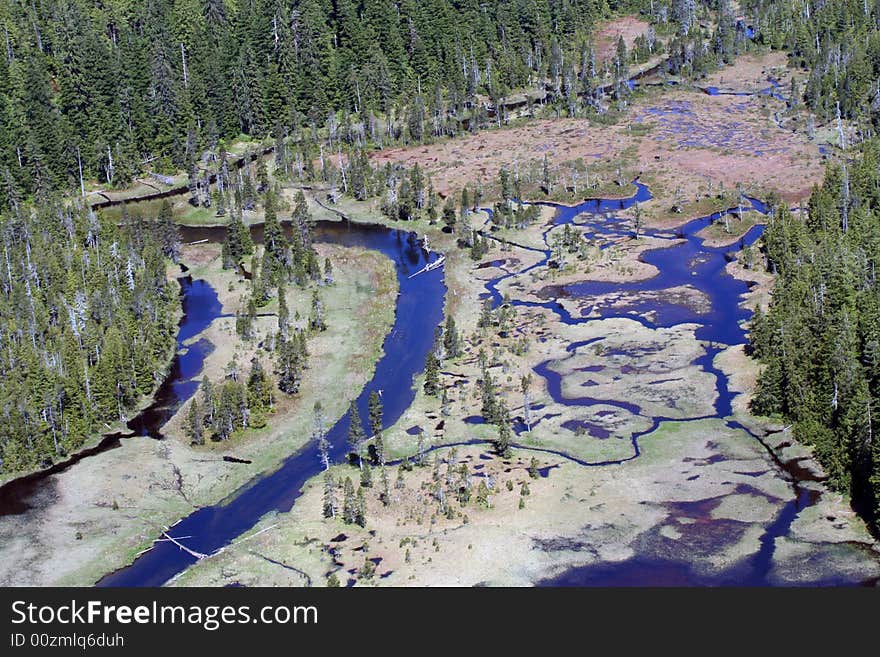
<point>274,244</point>
<point>379,447</point>
<point>375,412</point>
<point>289,365</point>
<point>533,468</point>
<point>385,487</point>
<point>328,271</point>
<point>283,313</point>
<point>329,503</point>
<point>356,434</point>
<point>360,516</point>
<point>208,401</point>
<point>486,319</point>
<point>449,216</point>
<point>195,427</point>
<point>349,504</point>
<point>259,390</point>
<point>491,407</point>
<point>316,317</point>
<point>525,386</point>
<point>432,374</point>
<point>451,340</point>
<point>502,443</point>
<point>319,434</point>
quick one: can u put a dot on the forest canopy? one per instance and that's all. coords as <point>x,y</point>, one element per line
<point>111,85</point>
<point>106,91</point>
<point>88,322</point>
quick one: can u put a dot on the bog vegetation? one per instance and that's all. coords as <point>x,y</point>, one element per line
<point>101,95</point>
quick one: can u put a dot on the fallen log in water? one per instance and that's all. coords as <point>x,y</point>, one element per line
<point>197,555</point>
<point>434,265</point>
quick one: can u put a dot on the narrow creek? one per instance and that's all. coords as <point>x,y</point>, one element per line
<point>200,307</point>
<point>689,261</point>
<point>419,309</point>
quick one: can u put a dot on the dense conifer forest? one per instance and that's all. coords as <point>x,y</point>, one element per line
<point>821,337</point>
<point>100,93</point>
<point>114,84</point>
<point>838,46</point>
<point>88,321</point>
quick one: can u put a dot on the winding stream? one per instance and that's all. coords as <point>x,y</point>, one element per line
<point>200,307</point>
<point>689,262</point>
<point>419,309</point>
<point>419,306</point>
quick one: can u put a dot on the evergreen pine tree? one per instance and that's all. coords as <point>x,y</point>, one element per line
<point>451,340</point>
<point>360,516</point>
<point>533,468</point>
<point>502,443</point>
<point>349,504</point>
<point>316,318</point>
<point>319,434</point>
<point>289,365</point>
<point>195,426</point>
<point>329,504</point>
<point>491,406</point>
<point>385,487</point>
<point>375,412</point>
<point>432,374</point>
<point>259,389</point>
<point>356,434</point>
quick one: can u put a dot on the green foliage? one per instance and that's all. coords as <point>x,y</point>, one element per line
<point>291,358</point>
<point>231,412</point>
<point>820,338</point>
<point>360,515</point>
<point>349,503</point>
<point>88,321</point>
<point>329,501</point>
<point>514,215</point>
<point>385,487</point>
<point>102,84</point>
<point>432,374</point>
<point>503,441</point>
<point>533,468</point>
<point>356,435</point>
<point>375,410</point>
<point>838,42</point>
<point>451,339</point>
<point>238,243</point>
<point>259,388</point>
<point>491,407</point>
<point>317,322</point>
<point>367,570</point>
<point>195,424</point>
